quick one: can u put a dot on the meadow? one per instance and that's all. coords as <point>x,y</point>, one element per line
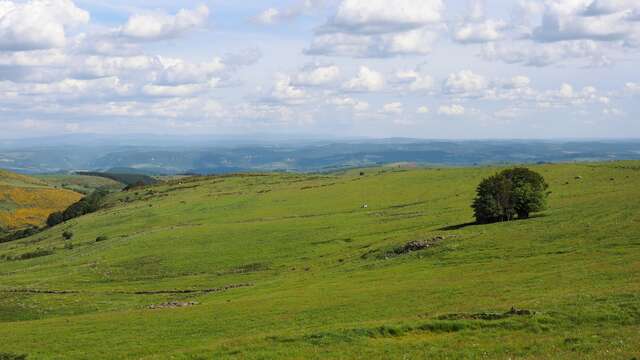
<point>27,201</point>
<point>307,266</point>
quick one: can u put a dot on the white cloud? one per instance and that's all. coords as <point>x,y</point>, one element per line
<point>413,80</point>
<point>356,105</point>
<point>284,92</point>
<point>367,80</point>
<point>413,42</point>
<point>465,83</point>
<point>393,108</point>
<point>614,112</point>
<point>269,16</point>
<point>632,88</point>
<point>518,82</point>
<point>272,16</point>
<point>584,19</point>
<point>508,113</point>
<point>180,72</point>
<point>566,91</point>
<point>541,55</point>
<point>479,32</point>
<point>451,110</point>
<point>379,28</point>
<point>177,90</point>
<point>159,26</point>
<point>38,24</point>
<point>384,16</point>
<point>423,110</point>
<point>317,75</point>
<point>68,88</point>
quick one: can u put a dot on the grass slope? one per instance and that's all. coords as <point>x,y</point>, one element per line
<point>80,183</point>
<point>27,200</point>
<point>297,268</point>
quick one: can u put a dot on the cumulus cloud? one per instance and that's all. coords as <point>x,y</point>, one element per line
<point>605,20</point>
<point>517,82</point>
<point>181,90</point>
<point>180,72</point>
<point>414,42</point>
<point>272,16</point>
<point>285,92</point>
<point>317,75</point>
<point>464,83</point>
<point>355,105</point>
<point>38,24</point>
<point>541,55</point>
<point>413,80</point>
<point>479,32</point>
<point>383,16</point>
<point>451,110</point>
<point>379,28</point>
<point>367,80</point>
<point>160,26</point>
<point>475,28</point>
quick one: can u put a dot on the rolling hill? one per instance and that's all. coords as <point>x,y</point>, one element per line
<point>28,201</point>
<point>293,266</point>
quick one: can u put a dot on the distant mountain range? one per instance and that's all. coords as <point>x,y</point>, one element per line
<point>176,155</point>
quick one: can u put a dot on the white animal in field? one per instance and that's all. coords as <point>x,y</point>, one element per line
<point>365,206</point>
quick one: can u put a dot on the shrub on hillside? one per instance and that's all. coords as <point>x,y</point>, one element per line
<point>86,205</point>
<point>510,193</point>
<point>55,219</point>
<point>20,234</point>
<point>10,356</point>
<point>67,235</point>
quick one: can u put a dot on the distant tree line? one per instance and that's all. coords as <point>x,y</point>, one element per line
<point>509,194</point>
<point>86,205</point>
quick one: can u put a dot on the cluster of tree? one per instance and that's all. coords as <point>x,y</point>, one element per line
<point>137,185</point>
<point>18,234</point>
<point>510,193</point>
<point>88,204</point>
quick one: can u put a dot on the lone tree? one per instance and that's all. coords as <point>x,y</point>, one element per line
<point>510,193</point>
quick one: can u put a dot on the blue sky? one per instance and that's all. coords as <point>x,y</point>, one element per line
<point>339,68</point>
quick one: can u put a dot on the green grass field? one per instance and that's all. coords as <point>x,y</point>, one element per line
<point>297,268</point>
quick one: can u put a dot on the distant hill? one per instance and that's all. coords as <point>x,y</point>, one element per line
<point>307,156</point>
<point>28,201</point>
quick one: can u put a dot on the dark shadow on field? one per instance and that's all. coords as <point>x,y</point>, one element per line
<point>458,226</point>
<point>462,226</point>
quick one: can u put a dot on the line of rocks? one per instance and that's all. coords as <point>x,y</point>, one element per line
<point>417,245</point>
<point>187,291</point>
<point>143,292</point>
<point>173,305</point>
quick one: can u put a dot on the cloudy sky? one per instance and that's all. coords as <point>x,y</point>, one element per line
<point>340,68</point>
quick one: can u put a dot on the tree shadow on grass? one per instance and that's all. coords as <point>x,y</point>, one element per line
<point>464,225</point>
<point>458,226</point>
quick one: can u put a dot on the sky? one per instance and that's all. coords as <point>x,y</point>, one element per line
<point>459,69</point>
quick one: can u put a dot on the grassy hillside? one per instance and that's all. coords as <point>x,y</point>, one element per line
<point>80,183</point>
<point>293,266</point>
<point>28,201</point>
